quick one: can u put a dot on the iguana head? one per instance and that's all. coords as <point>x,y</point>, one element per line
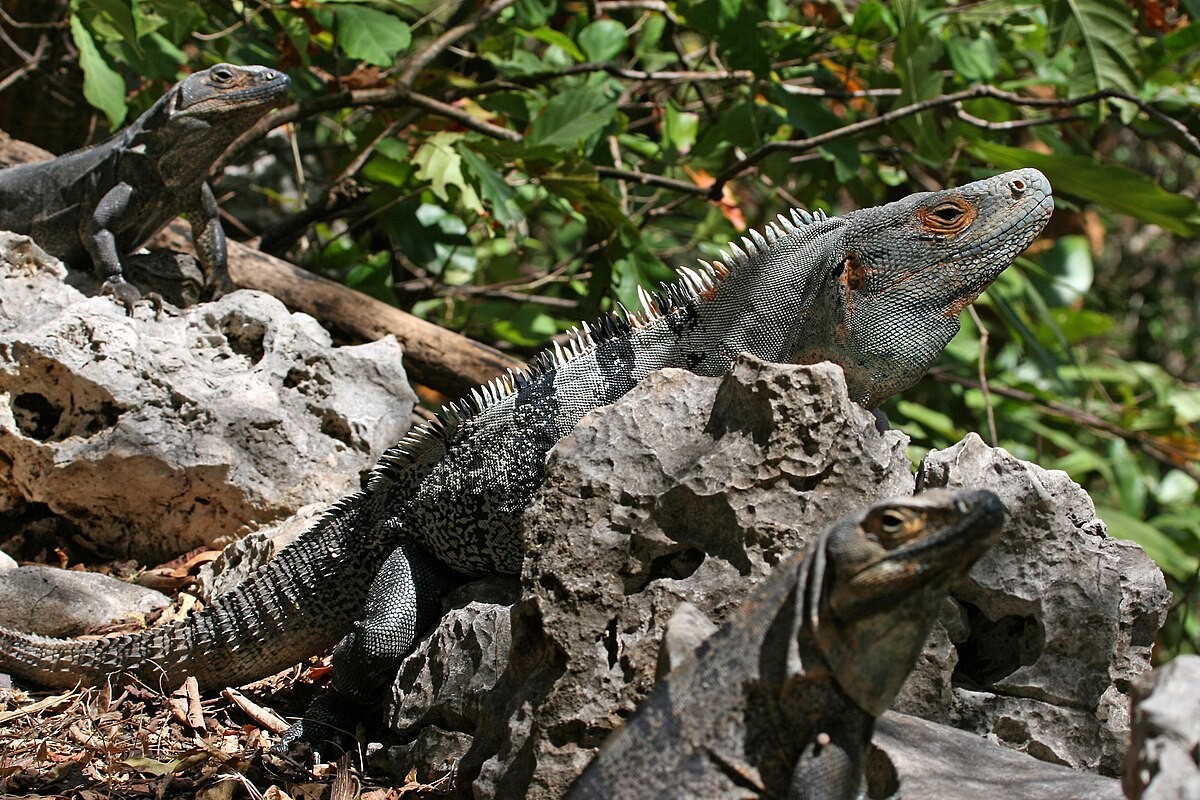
<point>877,580</point>
<point>900,275</point>
<point>199,116</point>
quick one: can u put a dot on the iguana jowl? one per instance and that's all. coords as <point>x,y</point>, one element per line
<point>103,202</point>
<point>878,291</point>
<point>782,700</point>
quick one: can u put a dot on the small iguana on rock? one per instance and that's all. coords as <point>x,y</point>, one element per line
<point>877,291</point>
<point>103,202</point>
<point>782,700</point>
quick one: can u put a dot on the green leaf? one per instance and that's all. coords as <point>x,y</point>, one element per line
<point>557,39</point>
<point>573,115</point>
<point>603,39</point>
<point>974,59</point>
<point>500,198</point>
<point>679,129</point>
<point>438,162</point>
<point>1116,187</point>
<point>371,35</point>
<point>1106,39</point>
<point>119,17</point>
<point>102,85</point>
<point>1160,547</point>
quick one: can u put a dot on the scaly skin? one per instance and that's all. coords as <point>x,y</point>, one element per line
<point>877,291</point>
<point>103,202</point>
<point>782,700</point>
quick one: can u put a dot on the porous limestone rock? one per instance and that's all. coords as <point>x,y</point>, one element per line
<point>64,602</point>
<point>1163,762</point>
<point>912,757</point>
<point>688,489</point>
<point>153,435</point>
<point>691,489</point>
<point>1052,623</point>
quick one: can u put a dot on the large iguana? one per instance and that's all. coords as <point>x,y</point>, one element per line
<point>103,202</point>
<point>782,700</point>
<point>878,291</point>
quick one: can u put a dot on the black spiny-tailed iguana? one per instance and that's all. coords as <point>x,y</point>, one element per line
<point>103,202</point>
<point>782,700</point>
<point>878,291</point>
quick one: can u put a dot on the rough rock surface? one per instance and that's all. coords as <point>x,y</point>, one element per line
<point>936,762</point>
<point>689,490</point>
<point>155,435</point>
<point>64,602</point>
<point>1051,625</point>
<point>1163,762</point>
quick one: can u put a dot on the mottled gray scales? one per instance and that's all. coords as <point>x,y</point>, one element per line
<point>877,291</point>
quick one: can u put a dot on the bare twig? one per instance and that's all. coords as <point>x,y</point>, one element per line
<point>422,59</point>
<point>983,381</point>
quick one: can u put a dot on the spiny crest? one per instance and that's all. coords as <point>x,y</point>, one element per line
<point>693,284</point>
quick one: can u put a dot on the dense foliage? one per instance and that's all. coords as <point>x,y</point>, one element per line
<point>508,168</point>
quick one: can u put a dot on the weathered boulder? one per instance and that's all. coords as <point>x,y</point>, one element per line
<point>1051,625</point>
<point>1163,762</point>
<point>153,435</point>
<point>689,490</point>
<point>925,760</point>
<point>64,602</point>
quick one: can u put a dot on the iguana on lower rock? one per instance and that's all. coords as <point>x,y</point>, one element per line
<point>782,700</point>
<point>878,291</point>
<point>103,202</point>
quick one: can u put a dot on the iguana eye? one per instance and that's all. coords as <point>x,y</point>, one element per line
<point>947,213</point>
<point>892,522</point>
<point>222,73</point>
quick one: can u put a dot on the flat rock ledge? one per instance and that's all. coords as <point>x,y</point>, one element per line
<point>150,435</point>
<point>688,491</point>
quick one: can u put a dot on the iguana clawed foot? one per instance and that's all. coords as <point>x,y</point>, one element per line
<point>128,295</point>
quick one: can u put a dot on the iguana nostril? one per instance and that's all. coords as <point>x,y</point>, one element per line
<point>1018,187</point>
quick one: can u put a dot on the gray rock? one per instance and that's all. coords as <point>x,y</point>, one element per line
<point>689,490</point>
<point>63,602</point>
<point>911,757</point>
<point>156,435</point>
<point>7,562</point>
<point>1059,618</point>
<point>1163,762</point>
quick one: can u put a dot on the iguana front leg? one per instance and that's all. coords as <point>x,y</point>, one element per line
<point>404,601</point>
<point>101,244</point>
<point>830,768</point>
<point>209,238</point>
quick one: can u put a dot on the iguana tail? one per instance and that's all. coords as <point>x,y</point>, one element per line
<point>300,603</point>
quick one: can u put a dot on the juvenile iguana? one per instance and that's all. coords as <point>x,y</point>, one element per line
<point>878,291</point>
<point>782,700</point>
<point>103,202</point>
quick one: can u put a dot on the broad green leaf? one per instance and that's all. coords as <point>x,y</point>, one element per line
<point>438,162</point>
<point>501,199</point>
<point>559,40</point>
<point>370,35</point>
<point>1105,40</point>
<point>1069,270</point>
<point>102,85</point>
<point>1113,186</point>
<point>1160,547</point>
<point>679,129</point>
<point>975,59</point>
<point>119,18</point>
<point>603,39</point>
<point>573,115</point>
